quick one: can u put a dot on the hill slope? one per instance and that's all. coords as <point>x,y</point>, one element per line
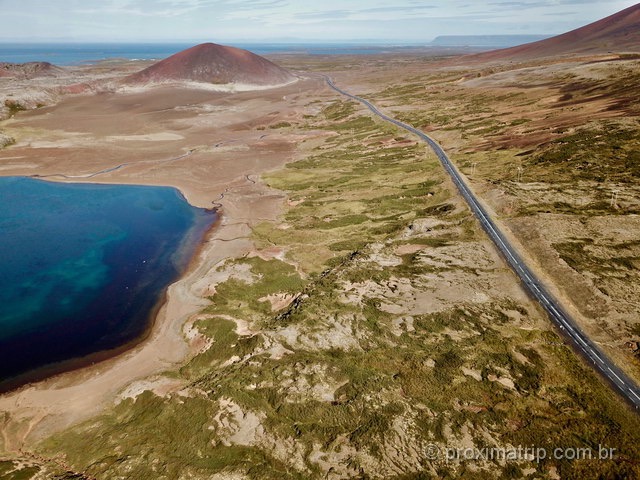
<point>619,32</point>
<point>28,70</point>
<point>215,64</point>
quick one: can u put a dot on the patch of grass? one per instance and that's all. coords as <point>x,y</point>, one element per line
<point>14,106</point>
<point>280,125</point>
<point>6,140</point>
<point>175,442</point>
<point>580,255</point>
<point>13,471</point>
<point>339,110</point>
<point>348,245</point>
<point>606,151</point>
<point>238,298</point>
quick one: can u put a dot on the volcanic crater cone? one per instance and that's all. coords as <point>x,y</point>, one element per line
<point>214,64</point>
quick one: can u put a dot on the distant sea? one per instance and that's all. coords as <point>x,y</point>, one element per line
<point>87,53</point>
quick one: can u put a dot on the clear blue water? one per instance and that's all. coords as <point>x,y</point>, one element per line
<point>83,268</point>
<point>78,54</point>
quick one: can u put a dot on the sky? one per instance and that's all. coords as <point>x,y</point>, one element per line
<point>401,21</point>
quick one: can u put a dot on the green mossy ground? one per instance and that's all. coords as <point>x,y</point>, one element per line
<point>361,194</point>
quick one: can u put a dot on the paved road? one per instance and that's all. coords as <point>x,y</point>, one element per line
<point>601,363</point>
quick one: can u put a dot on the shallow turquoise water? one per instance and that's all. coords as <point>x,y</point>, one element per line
<point>83,266</point>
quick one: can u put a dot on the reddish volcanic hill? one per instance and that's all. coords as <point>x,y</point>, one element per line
<point>617,33</point>
<point>28,70</point>
<point>216,64</point>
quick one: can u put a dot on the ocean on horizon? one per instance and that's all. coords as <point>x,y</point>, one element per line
<point>73,54</point>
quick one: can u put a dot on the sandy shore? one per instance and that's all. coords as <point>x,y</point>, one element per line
<point>212,146</point>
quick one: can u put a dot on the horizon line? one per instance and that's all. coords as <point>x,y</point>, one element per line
<point>372,41</point>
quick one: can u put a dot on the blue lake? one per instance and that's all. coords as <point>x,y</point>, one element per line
<point>84,268</point>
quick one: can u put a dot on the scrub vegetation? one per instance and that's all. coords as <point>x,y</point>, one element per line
<point>553,149</point>
<point>388,325</point>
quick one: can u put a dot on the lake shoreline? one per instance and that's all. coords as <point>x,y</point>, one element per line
<point>163,334</point>
<point>230,151</point>
<point>40,374</point>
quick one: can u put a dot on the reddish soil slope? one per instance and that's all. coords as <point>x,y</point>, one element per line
<point>211,63</point>
<point>617,33</point>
